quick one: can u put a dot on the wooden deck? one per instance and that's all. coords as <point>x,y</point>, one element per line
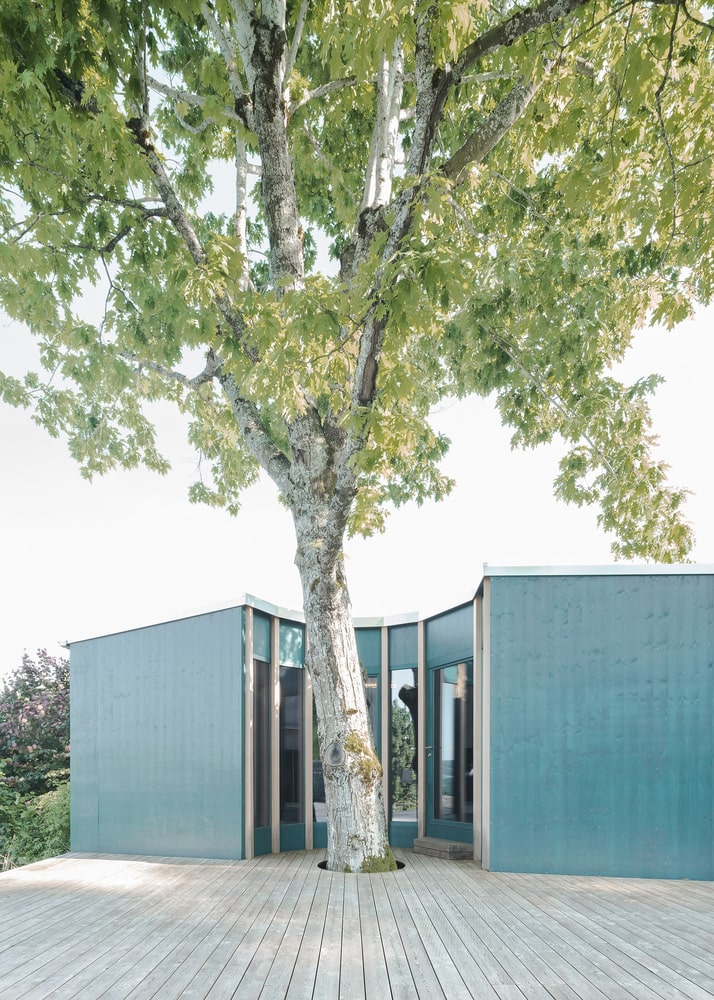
<point>95,926</point>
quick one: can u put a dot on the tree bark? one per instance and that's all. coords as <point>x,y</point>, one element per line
<point>357,837</point>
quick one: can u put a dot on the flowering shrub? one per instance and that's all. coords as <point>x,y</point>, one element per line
<point>34,725</point>
<point>34,761</point>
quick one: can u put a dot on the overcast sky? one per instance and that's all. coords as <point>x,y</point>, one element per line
<point>82,559</point>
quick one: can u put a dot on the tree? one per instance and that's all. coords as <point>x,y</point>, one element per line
<point>506,191</point>
<point>34,726</point>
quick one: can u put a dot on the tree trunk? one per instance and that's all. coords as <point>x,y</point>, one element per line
<point>357,838</point>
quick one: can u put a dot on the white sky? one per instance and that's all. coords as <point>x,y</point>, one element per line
<point>81,559</point>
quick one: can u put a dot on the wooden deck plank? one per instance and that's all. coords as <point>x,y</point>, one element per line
<point>224,939</point>
<point>589,925</point>
<point>113,947</point>
<point>30,970</point>
<point>690,932</point>
<point>276,927</point>
<point>476,966</point>
<point>247,944</point>
<point>603,909</point>
<point>352,959</point>
<point>376,975</point>
<point>401,981</point>
<point>273,946</point>
<point>532,963</point>
<point>327,978</point>
<point>599,966</point>
<point>454,967</point>
<point>277,981</point>
<point>504,947</point>
<point>422,970</point>
<point>150,938</point>
<point>194,952</point>
<point>302,979</point>
<point>186,944</point>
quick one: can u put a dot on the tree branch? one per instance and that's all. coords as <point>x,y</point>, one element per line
<point>196,101</point>
<point>318,150</point>
<point>277,183</point>
<point>663,128</point>
<point>178,217</point>
<point>229,58</point>
<point>483,139</point>
<point>331,87</point>
<point>295,44</point>
<point>435,84</point>
<point>244,13</point>
<point>380,167</point>
<point>515,27</point>
<point>257,440</point>
<point>210,371</point>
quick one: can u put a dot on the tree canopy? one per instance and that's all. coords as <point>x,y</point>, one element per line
<point>409,201</point>
<point>562,199</point>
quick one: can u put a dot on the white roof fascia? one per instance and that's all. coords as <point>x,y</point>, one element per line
<point>615,569</point>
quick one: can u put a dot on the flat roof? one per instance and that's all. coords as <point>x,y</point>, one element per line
<point>610,569</point>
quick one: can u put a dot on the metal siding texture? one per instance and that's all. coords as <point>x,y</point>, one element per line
<point>84,775</point>
<point>602,741</point>
<point>403,643</point>
<point>261,637</point>
<point>292,644</point>
<point>165,744</point>
<point>450,637</point>
<point>369,648</point>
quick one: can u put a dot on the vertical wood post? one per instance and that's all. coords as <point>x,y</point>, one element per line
<point>275,736</point>
<point>486,730</point>
<point>385,700</point>
<point>249,737</point>
<point>421,735</point>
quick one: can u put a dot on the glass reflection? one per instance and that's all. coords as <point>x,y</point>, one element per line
<point>261,743</point>
<point>453,748</point>
<point>403,735</point>
<point>319,810</point>
<point>371,693</point>
<point>291,745</point>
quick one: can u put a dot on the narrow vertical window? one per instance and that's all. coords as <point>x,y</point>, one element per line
<point>292,796</point>
<point>319,809</point>
<point>453,750</point>
<point>261,743</point>
<point>404,696</point>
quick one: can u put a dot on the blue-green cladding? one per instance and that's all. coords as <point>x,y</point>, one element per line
<point>601,720</point>
<point>157,739</point>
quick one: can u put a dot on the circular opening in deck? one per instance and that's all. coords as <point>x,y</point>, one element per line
<point>323,866</point>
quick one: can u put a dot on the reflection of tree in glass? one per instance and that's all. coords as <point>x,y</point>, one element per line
<point>404,795</point>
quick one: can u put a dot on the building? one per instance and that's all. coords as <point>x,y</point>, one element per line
<point>562,721</point>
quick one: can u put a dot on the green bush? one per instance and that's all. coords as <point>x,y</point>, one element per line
<point>31,831</point>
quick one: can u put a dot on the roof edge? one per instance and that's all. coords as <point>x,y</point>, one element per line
<point>609,569</point>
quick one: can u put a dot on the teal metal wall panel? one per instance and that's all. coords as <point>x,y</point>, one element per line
<point>602,743</point>
<point>450,637</point>
<point>84,772</point>
<point>261,637</point>
<point>157,739</point>
<point>403,834</point>
<point>369,648</point>
<point>403,643</point>
<point>292,645</point>
<point>292,837</point>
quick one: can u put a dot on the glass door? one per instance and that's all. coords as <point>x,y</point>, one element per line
<point>449,752</point>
